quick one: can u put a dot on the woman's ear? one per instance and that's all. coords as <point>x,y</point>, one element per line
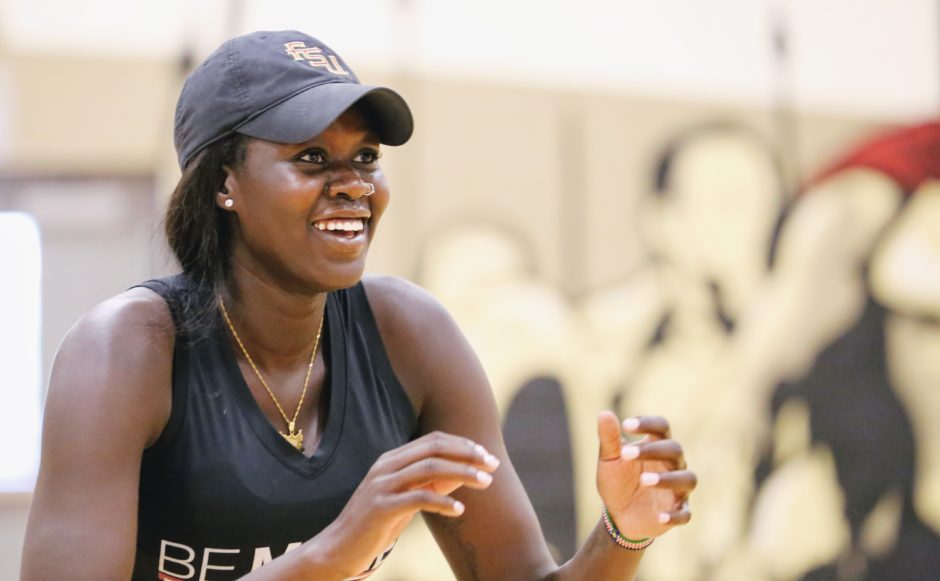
<point>225,197</point>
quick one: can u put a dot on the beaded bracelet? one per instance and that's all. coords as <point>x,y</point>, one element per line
<point>622,540</point>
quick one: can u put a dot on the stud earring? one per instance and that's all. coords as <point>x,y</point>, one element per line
<point>228,203</point>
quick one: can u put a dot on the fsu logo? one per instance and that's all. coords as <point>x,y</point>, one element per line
<point>314,57</point>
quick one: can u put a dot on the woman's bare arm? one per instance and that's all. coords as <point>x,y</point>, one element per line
<point>108,399</point>
<point>498,537</point>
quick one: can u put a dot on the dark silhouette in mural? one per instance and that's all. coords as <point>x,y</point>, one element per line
<point>538,442</point>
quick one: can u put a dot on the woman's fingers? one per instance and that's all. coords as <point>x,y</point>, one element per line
<point>424,500</point>
<point>655,426</point>
<point>668,451</point>
<point>419,475</point>
<point>676,517</point>
<point>428,470</point>
<point>437,445</point>
<point>682,482</point>
<point>608,432</point>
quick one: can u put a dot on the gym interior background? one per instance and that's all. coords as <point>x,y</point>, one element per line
<point>725,212</point>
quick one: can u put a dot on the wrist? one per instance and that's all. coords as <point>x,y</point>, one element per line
<point>323,559</point>
<point>631,543</point>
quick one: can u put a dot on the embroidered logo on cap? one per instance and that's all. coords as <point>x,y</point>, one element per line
<point>314,57</point>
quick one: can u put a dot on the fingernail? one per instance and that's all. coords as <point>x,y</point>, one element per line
<point>649,479</point>
<point>458,507</point>
<point>491,460</point>
<point>630,452</point>
<point>479,449</point>
<point>484,477</point>
<point>664,517</point>
<point>631,424</point>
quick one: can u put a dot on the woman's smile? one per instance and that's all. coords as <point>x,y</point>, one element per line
<point>343,234</point>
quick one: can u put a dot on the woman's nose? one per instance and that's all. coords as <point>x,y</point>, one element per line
<point>353,189</point>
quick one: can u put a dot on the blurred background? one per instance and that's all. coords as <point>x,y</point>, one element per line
<point>721,211</point>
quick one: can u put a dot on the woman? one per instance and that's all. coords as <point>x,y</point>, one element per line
<point>197,427</point>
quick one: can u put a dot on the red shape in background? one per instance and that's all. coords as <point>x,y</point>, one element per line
<point>909,155</point>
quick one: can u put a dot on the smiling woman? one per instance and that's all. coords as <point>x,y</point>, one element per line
<point>280,416</point>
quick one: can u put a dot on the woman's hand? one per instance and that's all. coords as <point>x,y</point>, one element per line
<point>415,477</point>
<point>644,485</point>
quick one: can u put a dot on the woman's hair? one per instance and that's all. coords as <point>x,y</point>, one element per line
<point>199,233</point>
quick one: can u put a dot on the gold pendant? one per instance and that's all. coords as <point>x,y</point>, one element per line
<point>296,439</point>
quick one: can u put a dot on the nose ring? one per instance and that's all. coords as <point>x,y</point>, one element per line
<point>371,190</point>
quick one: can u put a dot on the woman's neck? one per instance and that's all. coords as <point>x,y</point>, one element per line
<point>277,327</point>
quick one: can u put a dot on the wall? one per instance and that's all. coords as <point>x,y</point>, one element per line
<point>557,182</point>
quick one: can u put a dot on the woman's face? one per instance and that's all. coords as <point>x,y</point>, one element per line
<point>304,218</point>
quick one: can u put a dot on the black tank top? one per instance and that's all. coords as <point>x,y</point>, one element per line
<point>221,492</point>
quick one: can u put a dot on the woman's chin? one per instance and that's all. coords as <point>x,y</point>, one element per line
<point>336,277</point>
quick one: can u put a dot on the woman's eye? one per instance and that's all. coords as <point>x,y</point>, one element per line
<point>313,156</point>
<point>367,156</point>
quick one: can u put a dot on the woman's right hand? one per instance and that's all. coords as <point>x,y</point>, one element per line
<point>415,477</point>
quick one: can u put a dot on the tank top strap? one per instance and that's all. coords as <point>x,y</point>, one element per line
<point>170,289</point>
<point>368,352</point>
<point>369,331</point>
<point>359,304</point>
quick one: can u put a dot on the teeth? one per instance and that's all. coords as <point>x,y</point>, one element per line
<point>354,225</point>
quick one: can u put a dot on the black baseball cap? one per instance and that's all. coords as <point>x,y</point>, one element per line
<point>283,86</point>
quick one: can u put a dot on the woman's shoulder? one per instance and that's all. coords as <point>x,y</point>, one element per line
<point>403,307</point>
<point>137,315</point>
<point>128,335</point>
<point>428,352</point>
<point>387,291</point>
<point>117,359</point>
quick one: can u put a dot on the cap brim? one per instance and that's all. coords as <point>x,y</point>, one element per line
<point>310,112</point>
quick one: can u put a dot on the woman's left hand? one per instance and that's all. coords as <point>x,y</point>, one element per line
<point>644,485</point>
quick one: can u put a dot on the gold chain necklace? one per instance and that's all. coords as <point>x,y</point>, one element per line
<point>294,436</point>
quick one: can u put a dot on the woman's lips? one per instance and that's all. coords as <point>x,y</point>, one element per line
<point>347,235</point>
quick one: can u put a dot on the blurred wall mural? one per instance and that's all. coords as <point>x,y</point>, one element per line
<point>716,225</point>
<point>793,339</point>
